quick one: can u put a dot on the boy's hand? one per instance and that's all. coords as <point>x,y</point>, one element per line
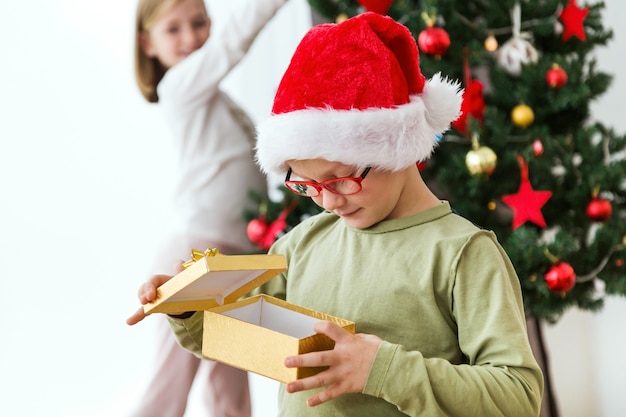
<point>348,364</point>
<point>147,293</point>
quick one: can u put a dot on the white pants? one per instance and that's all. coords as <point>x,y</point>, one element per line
<point>225,392</point>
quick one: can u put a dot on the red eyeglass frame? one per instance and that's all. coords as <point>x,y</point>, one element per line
<point>318,186</point>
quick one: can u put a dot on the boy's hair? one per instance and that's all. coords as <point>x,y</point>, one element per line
<point>354,93</point>
<point>149,71</point>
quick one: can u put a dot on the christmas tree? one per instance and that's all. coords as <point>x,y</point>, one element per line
<point>525,159</point>
<point>275,216</point>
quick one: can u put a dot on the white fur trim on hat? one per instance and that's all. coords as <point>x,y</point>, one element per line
<point>385,138</point>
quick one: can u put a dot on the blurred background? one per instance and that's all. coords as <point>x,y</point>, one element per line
<point>84,175</point>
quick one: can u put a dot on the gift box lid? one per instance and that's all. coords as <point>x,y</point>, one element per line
<point>211,279</point>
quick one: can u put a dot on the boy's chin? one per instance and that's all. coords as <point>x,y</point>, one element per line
<point>359,223</point>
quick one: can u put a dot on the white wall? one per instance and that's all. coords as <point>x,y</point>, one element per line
<point>84,172</point>
<point>587,349</point>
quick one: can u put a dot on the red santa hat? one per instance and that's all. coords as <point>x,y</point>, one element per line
<point>354,93</point>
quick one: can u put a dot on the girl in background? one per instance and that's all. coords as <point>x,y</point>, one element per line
<point>179,64</point>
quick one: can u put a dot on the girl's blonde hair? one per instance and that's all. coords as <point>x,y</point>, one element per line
<point>149,71</point>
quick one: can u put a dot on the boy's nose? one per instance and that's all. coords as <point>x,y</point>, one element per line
<point>331,201</point>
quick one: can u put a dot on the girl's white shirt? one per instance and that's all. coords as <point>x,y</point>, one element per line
<point>213,136</point>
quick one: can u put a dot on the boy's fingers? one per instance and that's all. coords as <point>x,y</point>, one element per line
<point>136,317</point>
<point>179,266</point>
<point>148,291</point>
<point>331,330</point>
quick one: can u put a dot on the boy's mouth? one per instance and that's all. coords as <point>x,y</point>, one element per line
<point>346,214</point>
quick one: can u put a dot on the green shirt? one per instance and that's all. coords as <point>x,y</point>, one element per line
<point>439,291</point>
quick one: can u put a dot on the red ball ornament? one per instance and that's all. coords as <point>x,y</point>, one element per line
<point>256,230</point>
<point>273,232</point>
<point>376,6</point>
<point>433,41</point>
<point>599,210</point>
<point>560,278</point>
<point>556,77</point>
<point>263,234</point>
<point>537,147</point>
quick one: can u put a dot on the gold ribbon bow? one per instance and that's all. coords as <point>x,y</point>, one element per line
<point>196,255</point>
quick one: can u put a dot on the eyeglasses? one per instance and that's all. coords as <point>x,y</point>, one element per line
<point>341,186</point>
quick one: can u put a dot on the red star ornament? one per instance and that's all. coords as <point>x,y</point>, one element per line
<point>572,17</point>
<point>527,203</point>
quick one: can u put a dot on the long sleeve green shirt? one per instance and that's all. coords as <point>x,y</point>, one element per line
<point>439,291</point>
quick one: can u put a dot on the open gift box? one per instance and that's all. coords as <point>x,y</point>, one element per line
<point>255,334</point>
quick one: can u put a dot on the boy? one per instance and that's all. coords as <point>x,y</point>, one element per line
<point>436,300</point>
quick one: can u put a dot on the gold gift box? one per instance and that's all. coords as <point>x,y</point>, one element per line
<point>255,334</point>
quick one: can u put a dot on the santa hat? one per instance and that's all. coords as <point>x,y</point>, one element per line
<point>354,93</point>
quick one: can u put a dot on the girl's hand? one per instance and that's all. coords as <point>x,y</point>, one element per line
<point>349,364</point>
<point>147,293</point>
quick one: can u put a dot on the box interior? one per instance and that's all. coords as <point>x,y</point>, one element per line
<point>270,316</point>
<point>218,286</point>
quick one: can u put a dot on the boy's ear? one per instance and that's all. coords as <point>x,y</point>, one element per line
<point>145,44</point>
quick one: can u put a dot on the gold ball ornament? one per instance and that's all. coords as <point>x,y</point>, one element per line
<point>341,18</point>
<point>491,43</point>
<point>481,160</point>
<point>522,115</point>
